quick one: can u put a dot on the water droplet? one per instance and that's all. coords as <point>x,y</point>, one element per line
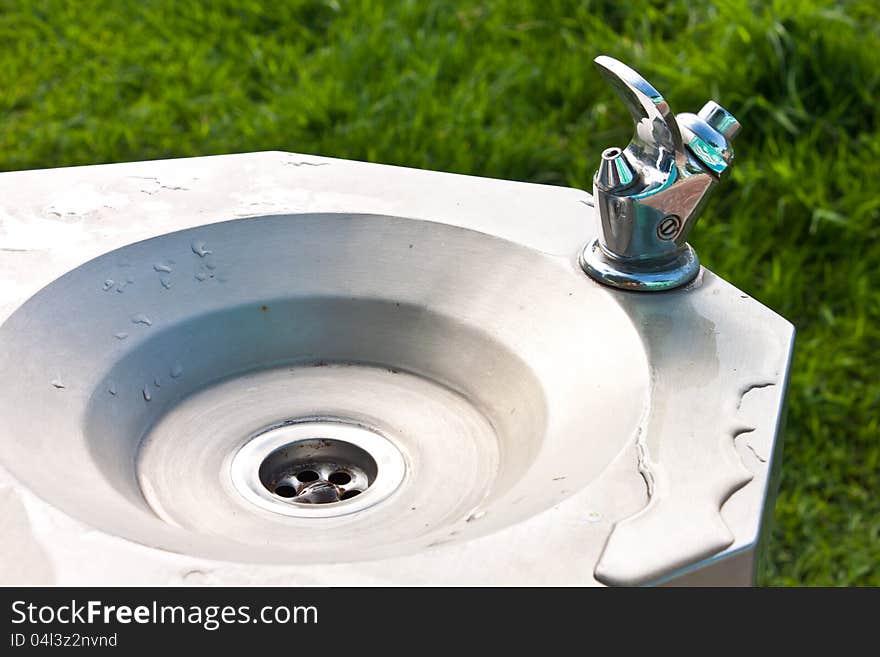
<point>176,370</point>
<point>476,516</point>
<point>211,264</point>
<point>594,516</point>
<point>140,318</point>
<point>112,388</point>
<point>147,395</point>
<point>198,247</point>
<point>120,336</point>
<point>201,276</point>
<point>121,286</point>
<point>166,282</point>
<point>163,268</point>
<point>157,382</point>
<point>109,283</point>
<point>58,383</point>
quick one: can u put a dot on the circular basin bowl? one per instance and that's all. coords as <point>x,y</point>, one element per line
<point>316,388</point>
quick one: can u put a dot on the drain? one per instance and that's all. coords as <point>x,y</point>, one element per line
<point>317,468</point>
<point>318,471</point>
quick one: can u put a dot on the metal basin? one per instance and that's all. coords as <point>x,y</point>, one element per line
<point>173,392</point>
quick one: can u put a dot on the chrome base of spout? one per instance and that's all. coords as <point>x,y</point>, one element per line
<point>640,276</point>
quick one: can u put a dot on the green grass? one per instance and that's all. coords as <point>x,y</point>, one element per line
<point>506,89</point>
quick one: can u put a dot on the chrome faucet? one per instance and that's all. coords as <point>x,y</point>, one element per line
<point>648,196</point>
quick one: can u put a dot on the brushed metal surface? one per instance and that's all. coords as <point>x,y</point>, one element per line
<point>695,475</point>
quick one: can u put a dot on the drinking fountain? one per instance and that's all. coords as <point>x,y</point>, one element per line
<point>277,368</point>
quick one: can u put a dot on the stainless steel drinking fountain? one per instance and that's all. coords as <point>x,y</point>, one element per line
<point>274,368</point>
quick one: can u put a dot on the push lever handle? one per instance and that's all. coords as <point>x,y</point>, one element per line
<point>656,131</point>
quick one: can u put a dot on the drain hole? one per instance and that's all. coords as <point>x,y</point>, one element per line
<point>285,491</point>
<point>318,471</point>
<point>339,478</point>
<point>308,475</point>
